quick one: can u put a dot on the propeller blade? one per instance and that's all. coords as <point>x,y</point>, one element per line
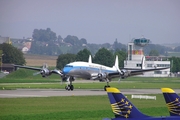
<point>119,80</point>
<point>36,73</point>
<point>118,70</point>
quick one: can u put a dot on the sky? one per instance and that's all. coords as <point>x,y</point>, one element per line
<point>98,21</point>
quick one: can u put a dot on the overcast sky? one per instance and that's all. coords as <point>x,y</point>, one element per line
<point>98,21</point>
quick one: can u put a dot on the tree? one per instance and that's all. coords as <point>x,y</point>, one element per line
<point>83,41</point>
<point>11,54</point>
<point>118,46</point>
<point>59,38</point>
<point>121,56</point>
<point>154,53</point>
<point>73,40</point>
<point>104,57</point>
<point>44,35</point>
<point>175,64</point>
<point>161,49</point>
<point>93,48</point>
<point>83,55</point>
<point>64,59</point>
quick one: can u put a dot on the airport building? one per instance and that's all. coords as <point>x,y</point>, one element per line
<point>136,54</point>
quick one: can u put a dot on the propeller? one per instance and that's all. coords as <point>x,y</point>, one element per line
<point>119,79</point>
<point>59,72</point>
<point>100,73</point>
<point>37,73</point>
<point>120,73</point>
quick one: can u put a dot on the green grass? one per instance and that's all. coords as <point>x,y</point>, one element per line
<point>130,83</point>
<point>72,107</point>
<point>100,85</point>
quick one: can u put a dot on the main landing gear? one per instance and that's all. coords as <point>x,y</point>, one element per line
<point>69,85</point>
<point>106,86</point>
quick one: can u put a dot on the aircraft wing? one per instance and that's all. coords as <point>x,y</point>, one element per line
<point>44,71</point>
<point>137,72</point>
<point>128,73</point>
<point>28,67</point>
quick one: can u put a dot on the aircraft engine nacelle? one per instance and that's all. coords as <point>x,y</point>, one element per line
<point>45,72</point>
<point>102,76</point>
<point>125,73</point>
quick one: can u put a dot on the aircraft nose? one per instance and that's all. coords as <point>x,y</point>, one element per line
<point>66,70</point>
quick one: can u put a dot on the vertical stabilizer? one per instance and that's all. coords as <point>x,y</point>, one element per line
<point>121,106</point>
<point>90,59</point>
<point>143,63</point>
<point>116,64</point>
<point>172,101</point>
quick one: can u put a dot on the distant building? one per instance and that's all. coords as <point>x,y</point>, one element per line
<point>173,54</point>
<point>22,44</point>
<point>135,55</point>
<point>5,40</point>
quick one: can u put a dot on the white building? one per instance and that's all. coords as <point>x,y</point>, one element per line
<point>135,55</point>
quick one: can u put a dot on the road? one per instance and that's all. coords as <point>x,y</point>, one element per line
<point>78,92</point>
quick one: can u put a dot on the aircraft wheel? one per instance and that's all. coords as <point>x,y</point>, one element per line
<point>106,87</point>
<point>72,87</point>
<point>67,87</point>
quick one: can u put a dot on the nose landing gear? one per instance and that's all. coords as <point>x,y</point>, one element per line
<point>106,86</point>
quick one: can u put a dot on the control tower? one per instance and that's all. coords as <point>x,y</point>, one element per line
<point>135,53</point>
<point>135,48</point>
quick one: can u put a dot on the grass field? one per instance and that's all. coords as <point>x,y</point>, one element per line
<point>95,85</point>
<point>38,60</point>
<point>72,108</point>
<point>75,107</point>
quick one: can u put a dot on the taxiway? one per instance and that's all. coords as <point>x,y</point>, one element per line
<point>77,92</point>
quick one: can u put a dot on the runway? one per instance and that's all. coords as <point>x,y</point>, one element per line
<point>77,92</point>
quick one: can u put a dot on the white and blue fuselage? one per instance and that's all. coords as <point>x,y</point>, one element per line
<point>86,70</point>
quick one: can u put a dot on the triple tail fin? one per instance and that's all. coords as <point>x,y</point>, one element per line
<point>172,101</point>
<point>143,63</point>
<point>116,64</point>
<point>90,59</point>
<point>121,106</point>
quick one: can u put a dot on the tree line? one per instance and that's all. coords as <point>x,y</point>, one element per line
<point>46,42</point>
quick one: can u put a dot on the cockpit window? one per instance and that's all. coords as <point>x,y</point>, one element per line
<point>68,66</point>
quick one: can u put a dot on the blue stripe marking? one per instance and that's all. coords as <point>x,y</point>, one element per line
<point>67,69</point>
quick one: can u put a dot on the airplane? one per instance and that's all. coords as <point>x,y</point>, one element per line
<point>93,71</point>
<point>123,109</point>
